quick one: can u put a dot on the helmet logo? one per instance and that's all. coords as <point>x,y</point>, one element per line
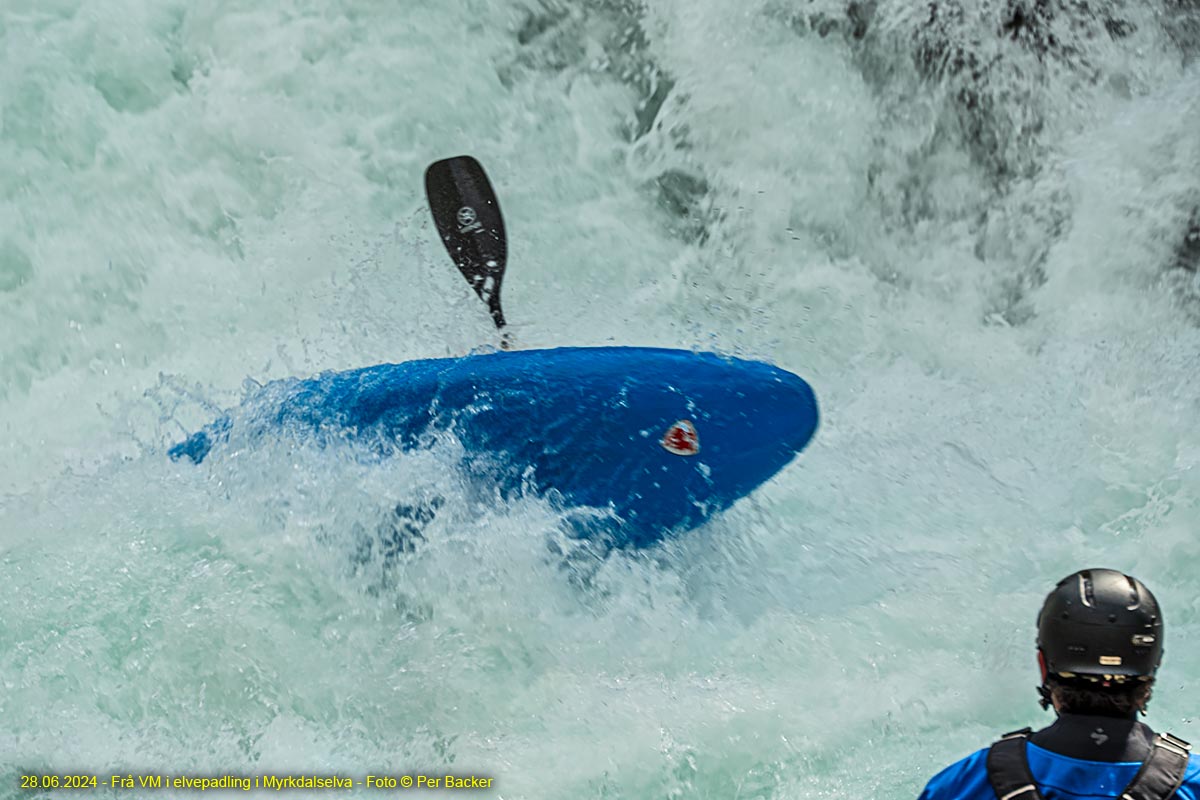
<point>1110,661</point>
<point>1143,639</point>
<point>681,439</point>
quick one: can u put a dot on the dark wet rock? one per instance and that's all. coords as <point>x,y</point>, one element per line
<point>994,61</point>
<point>1029,23</point>
<point>550,41</point>
<point>538,22</point>
<point>1181,21</point>
<point>852,23</point>
<point>1119,28</point>
<point>948,45</point>
<point>648,109</point>
<point>860,14</point>
<point>680,192</point>
<point>682,195</point>
<point>1187,255</point>
<point>556,36</point>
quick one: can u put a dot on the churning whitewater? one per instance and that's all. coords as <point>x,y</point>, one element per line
<point>973,226</point>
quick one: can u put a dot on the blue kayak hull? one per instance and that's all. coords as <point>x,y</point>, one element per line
<point>661,438</point>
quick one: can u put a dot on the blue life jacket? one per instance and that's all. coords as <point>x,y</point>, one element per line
<point>1052,776</point>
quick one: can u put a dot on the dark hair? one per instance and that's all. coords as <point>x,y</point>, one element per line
<point>1079,696</point>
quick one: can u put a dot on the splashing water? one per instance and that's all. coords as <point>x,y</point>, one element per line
<point>970,225</point>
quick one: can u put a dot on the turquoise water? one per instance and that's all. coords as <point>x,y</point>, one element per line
<point>973,244</point>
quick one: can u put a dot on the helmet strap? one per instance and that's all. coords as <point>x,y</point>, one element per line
<point>1044,693</point>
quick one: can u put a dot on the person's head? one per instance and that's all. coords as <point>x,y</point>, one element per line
<point>1099,644</point>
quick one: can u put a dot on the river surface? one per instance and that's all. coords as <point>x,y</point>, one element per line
<point>971,226</point>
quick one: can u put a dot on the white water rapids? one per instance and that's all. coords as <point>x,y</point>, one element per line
<point>966,224</point>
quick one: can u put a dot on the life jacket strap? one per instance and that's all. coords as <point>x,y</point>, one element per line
<point>1008,769</point>
<point>1162,772</point>
<point>1159,777</point>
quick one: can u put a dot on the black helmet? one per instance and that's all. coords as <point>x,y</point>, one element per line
<point>1100,622</point>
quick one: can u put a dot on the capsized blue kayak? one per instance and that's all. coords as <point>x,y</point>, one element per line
<point>662,438</point>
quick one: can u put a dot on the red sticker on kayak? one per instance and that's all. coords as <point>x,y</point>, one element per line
<point>681,439</point>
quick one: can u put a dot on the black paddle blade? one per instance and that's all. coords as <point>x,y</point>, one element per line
<point>467,216</point>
